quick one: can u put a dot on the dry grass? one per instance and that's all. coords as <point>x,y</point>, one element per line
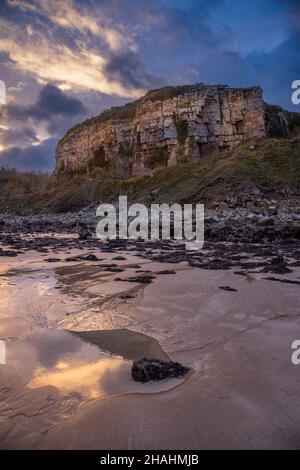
<point>273,164</point>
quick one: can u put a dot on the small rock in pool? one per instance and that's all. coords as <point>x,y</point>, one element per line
<point>154,369</point>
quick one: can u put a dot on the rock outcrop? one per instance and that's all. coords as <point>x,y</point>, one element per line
<point>154,369</point>
<point>170,125</point>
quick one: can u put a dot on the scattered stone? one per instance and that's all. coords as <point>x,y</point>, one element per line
<point>228,288</point>
<point>265,221</point>
<point>166,271</point>
<point>146,279</point>
<point>119,258</point>
<point>154,369</point>
<point>73,259</point>
<point>277,260</point>
<point>84,233</point>
<point>114,269</point>
<point>277,266</point>
<point>90,258</point>
<point>272,210</point>
<point>108,265</point>
<point>285,281</point>
<point>8,253</point>
<point>214,265</point>
<point>52,260</point>
<point>127,296</point>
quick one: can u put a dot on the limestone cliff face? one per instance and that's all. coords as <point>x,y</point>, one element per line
<point>165,127</point>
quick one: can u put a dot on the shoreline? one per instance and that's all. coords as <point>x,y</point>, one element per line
<point>217,311</point>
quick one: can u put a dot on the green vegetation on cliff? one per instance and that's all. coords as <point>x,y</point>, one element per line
<point>271,165</point>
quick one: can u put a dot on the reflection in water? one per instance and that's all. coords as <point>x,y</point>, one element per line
<point>92,364</point>
<point>71,364</point>
<point>51,372</point>
<point>84,378</point>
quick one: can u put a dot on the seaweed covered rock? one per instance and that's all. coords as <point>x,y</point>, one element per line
<point>154,369</point>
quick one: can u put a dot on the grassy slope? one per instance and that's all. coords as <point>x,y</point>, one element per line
<point>275,163</point>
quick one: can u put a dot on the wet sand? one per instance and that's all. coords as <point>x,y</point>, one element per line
<point>71,339</point>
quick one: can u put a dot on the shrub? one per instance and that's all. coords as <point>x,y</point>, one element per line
<point>158,157</point>
<point>182,129</point>
<point>99,159</point>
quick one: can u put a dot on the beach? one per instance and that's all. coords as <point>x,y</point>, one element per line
<point>74,317</point>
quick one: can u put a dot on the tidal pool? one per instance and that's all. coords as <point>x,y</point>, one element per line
<point>51,372</point>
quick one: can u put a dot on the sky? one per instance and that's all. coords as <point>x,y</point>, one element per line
<point>63,61</point>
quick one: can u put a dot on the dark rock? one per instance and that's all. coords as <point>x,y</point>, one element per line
<point>285,281</point>
<point>146,279</point>
<point>277,266</point>
<point>154,369</point>
<point>277,260</point>
<point>119,258</point>
<point>166,271</point>
<point>265,221</point>
<point>113,269</point>
<point>73,258</point>
<point>8,253</point>
<point>52,260</point>
<point>90,258</point>
<point>84,233</point>
<point>228,288</point>
<point>127,296</point>
<point>212,264</point>
<point>109,265</point>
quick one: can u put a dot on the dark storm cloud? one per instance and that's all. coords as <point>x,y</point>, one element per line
<point>24,136</point>
<point>39,157</point>
<point>235,42</point>
<point>52,102</point>
<point>129,70</point>
<point>55,110</point>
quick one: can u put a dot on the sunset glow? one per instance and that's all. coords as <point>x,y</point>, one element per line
<point>97,54</point>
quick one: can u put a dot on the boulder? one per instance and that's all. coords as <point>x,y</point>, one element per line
<point>154,369</point>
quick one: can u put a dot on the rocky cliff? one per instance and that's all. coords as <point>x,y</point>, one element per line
<point>169,125</point>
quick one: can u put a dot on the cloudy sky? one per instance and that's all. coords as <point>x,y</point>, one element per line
<point>65,60</point>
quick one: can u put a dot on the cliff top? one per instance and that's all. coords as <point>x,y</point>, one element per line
<point>127,111</point>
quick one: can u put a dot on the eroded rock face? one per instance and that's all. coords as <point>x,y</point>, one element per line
<point>165,127</point>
